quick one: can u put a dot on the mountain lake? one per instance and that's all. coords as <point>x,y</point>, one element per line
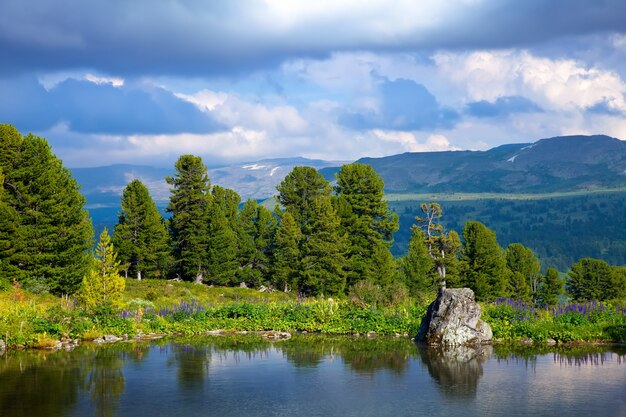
<point>312,375</point>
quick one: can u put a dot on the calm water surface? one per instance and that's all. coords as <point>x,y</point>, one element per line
<point>311,376</point>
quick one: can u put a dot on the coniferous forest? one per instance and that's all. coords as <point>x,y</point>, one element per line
<point>320,241</point>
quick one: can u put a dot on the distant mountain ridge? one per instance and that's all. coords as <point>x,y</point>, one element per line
<point>563,163</point>
<point>103,186</point>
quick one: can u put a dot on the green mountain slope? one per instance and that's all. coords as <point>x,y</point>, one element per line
<point>549,165</point>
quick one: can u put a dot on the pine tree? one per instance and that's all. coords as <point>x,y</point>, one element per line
<point>521,259</point>
<point>367,221</point>
<point>50,234</point>
<point>222,248</point>
<point>443,248</point>
<point>225,236</point>
<point>258,226</point>
<point>140,237</point>
<point>518,288</point>
<point>8,220</point>
<point>190,204</point>
<point>417,266</point>
<point>550,288</point>
<point>591,279</point>
<point>323,252</point>
<point>484,263</point>
<point>297,192</point>
<point>103,285</point>
<point>286,266</point>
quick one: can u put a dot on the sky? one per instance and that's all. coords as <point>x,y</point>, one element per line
<point>144,81</point>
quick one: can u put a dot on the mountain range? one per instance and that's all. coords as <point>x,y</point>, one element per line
<point>103,186</point>
<point>564,163</point>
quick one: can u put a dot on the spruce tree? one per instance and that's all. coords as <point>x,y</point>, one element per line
<point>306,195</point>
<point>222,248</point>
<point>286,265</point>
<point>103,285</point>
<point>258,226</point>
<point>591,279</point>
<point>484,263</point>
<point>521,259</point>
<point>190,204</point>
<point>550,288</point>
<point>140,237</point>
<point>323,251</point>
<point>225,236</point>
<point>297,192</point>
<point>417,265</point>
<point>367,221</point>
<point>49,233</point>
<point>518,288</point>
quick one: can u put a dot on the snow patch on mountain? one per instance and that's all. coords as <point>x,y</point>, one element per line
<point>512,159</point>
<point>254,167</point>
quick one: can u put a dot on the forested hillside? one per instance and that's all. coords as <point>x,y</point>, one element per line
<point>560,230</point>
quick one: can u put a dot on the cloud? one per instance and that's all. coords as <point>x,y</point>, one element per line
<point>99,105</point>
<point>502,107</point>
<point>203,38</point>
<point>556,84</point>
<point>410,142</point>
<point>404,105</point>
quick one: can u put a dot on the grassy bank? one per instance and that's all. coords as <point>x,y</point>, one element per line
<point>39,321</point>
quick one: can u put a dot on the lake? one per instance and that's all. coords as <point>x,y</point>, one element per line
<point>311,375</point>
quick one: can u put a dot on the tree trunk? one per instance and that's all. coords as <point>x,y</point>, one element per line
<point>138,275</point>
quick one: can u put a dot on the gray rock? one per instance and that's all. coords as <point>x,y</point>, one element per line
<point>453,319</point>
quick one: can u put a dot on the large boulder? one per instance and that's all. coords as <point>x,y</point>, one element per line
<point>453,319</point>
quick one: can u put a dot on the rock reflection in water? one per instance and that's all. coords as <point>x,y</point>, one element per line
<point>457,371</point>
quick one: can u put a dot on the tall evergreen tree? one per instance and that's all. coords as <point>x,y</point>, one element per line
<point>222,261</point>
<point>591,279</point>
<point>550,288</point>
<point>484,263</point>
<point>286,265</point>
<point>190,203</point>
<point>50,234</point>
<point>522,260</point>
<point>140,236</point>
<point>368,223</point>
<point>306,195</point>
<point>103,284</point>
<point>323,252</point>
<point>258,227</point>
<point>417,266</point>
<point>225,236</point>
<point>443,247</point>
<point>297,192</point>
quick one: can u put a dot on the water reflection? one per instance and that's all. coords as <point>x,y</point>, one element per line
<point>457,371</point>
<point>359,354</point>
<point>127,379</point>
<point>38,384</point>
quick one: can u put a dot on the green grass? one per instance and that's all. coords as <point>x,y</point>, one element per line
<point>426,197</point>
<point>167,308</point>
<point>167,293</point>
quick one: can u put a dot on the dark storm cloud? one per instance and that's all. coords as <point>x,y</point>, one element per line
<point>404,105</point>
<point>502,107</point>
<point>99,108</point>
<point>198,37</point>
